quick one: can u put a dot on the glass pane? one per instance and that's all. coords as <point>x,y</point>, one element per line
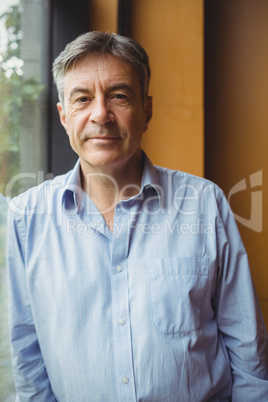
<point>7,390</point>
<point>23,123</point>
<point>10,76</point>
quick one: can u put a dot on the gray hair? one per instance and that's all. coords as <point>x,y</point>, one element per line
<point>102,43</point>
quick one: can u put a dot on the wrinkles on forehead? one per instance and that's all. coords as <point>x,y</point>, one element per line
<point>102,60</point>
<point>109,74</point>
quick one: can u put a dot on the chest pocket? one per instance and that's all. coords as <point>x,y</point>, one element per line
<point>178,287</point>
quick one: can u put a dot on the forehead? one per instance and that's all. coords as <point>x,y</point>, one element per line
<point>100,68</point>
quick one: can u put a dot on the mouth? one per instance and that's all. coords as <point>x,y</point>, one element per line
<point>103,139</point>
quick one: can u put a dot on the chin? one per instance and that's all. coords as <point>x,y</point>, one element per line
<point>104,161</point>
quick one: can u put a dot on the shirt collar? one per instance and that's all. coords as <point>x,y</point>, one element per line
<point>73,194</point>
<point>149,177</point>
<point>72,197</point>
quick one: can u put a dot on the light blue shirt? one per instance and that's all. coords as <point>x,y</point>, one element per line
<point>162,309</point>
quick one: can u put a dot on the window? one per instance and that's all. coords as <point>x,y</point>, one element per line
<point>10,77</point>
<point>32,141</point>
<point>23,121</point>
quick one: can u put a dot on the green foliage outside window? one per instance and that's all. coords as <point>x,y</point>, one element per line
<point>14,91</point>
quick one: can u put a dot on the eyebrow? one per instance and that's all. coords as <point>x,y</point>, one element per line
<point>115,87</point>
<point>122,85</point>
<point>76,90</point>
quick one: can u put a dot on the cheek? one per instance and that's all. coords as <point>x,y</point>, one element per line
<point>75,123</point>
<point>138,125</point>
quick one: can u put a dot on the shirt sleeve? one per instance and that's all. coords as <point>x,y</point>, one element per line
<point>31,379</point>
<point>238,314</point>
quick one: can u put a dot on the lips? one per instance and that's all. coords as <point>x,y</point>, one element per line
<point>100,136</point>
<point>103,139</point>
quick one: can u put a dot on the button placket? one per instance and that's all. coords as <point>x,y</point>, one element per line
<point>122,331</point>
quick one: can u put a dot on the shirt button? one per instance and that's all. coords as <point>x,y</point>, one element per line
<point>125,380</point>
<point>121,321</point>
<point>119,268</point>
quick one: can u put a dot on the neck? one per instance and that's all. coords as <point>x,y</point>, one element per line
<point>106,186</point>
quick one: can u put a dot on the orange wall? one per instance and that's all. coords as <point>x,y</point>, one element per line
<point>237,120</point>
<point>103,15</point>
<point>172,33</point>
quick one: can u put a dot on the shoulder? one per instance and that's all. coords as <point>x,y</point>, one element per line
<point>194,196</point>
<point>39,198</point>
<point>186,183</point>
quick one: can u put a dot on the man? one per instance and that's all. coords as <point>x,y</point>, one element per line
<point>128,282</point>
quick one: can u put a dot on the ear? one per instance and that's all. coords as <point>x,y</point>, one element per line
<point>148,111</point>
<point>62,115</point>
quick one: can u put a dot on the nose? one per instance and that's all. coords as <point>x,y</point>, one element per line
<point>100,111</point>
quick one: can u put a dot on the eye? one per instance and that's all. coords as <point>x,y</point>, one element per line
<point>120,99</point>
<point>83,99</point>
<point>120,96</point>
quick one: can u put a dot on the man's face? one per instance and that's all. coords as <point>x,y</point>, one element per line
<point>103,113</point>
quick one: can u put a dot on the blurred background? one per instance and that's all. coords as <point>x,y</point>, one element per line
<point>209,61</point>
